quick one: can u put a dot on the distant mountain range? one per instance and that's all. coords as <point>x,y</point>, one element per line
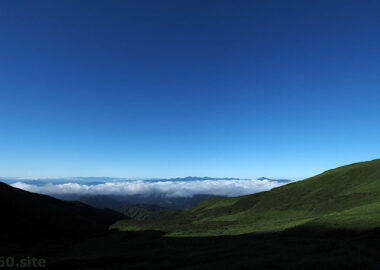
<point>174,193</point>
<point>275,180</point>
<point>102,180</point>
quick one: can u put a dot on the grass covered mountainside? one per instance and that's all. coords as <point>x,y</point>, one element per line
<point>344,198</point>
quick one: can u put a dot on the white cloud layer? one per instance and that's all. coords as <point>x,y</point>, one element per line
<point>166,188</point>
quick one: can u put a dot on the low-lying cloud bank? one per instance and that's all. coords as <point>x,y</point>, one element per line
<point>230,187</point>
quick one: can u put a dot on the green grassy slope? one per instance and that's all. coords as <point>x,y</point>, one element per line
<point>344,198</point>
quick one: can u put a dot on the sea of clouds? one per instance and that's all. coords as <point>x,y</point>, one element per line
<point>228,187</point>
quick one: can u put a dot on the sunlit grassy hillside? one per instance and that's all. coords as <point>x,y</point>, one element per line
<point>344,198</point>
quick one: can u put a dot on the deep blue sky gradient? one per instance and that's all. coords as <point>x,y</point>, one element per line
<point>177,88</point>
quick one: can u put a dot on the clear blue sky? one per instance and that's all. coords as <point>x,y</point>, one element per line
<point>177,88</point>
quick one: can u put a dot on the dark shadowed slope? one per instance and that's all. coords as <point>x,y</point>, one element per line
<point>26,215</point>
<point>145,211</point>
<point>344,198</point>
<point>116,201</point>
